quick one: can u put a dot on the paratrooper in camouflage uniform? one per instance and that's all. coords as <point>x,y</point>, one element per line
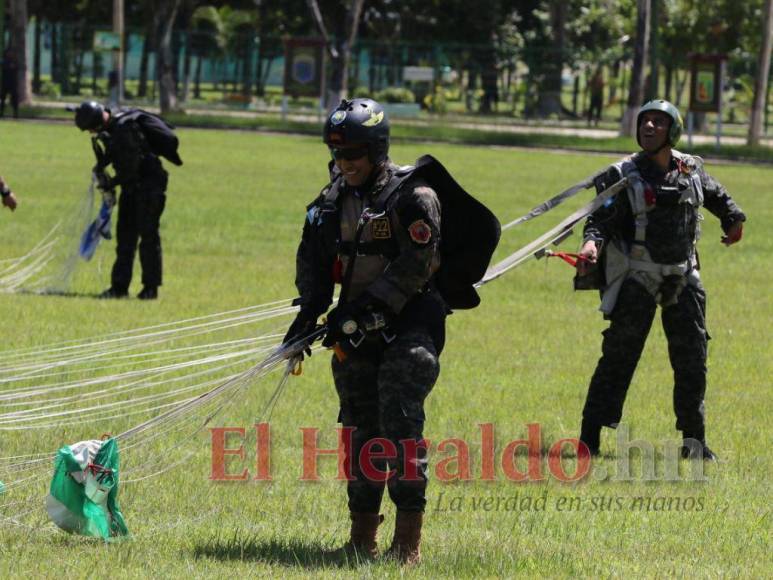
<point>383,247</point>
<point>649,239</point>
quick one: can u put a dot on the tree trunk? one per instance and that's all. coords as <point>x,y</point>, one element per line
<point>488,79</point>
<point>96,72</point>
<point>79,58</point>
<point>165,58</point>
<point>247,67</point>
<point>197,78</point>
<point>65,53</point>
<point>761,82</point>
<point>36,56</point>
<point>549,98</point>
<point>55,73</point>
<point>614,80</point>
<point>340,50</point>
<point>575,92</point>
<point>636,91</point>
<point>187,66</point>
<point>680,86</point>
<point>19,44</point>
<point>260,90</point>
<point>142,89</point>
<point>472,85</point>
<point>78,71</point>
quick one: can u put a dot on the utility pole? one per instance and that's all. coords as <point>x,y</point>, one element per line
<point>118,29</point>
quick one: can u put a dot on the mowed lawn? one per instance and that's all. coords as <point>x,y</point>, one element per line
<point>525,356</point>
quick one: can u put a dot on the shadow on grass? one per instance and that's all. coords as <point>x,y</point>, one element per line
<point>70,294</point>
<point>271,551</point>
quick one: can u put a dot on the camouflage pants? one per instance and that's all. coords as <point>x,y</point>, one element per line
<point>684,324</point>
<point>382,388</point>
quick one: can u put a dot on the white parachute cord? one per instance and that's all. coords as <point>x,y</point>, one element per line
<point>74,344</point>
<point>270,309</point>
<point>144,341</point>
<point>556,233</point>
<point>153,357</point>
<point>28,394</point>
<point>264,416</point>
<point>59,281</point>
<point>265,413</point>
<point>13,277</point>
<point>45,241</point>
<point>137,405</point>
<point>554,201</point>
<point>283,353</point>
<point>66,366</point>
<point>27,416</point>
<point>233,386</point>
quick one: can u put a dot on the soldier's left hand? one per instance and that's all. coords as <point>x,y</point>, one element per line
<point>10,201</point>
<point>734,234</point>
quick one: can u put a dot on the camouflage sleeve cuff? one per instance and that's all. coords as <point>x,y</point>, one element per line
<point>592,236</point>
<point>728,220</point>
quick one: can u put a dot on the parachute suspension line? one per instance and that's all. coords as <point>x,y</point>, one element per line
<point>554,201</point>
<point>141,333</point>
<point>554,235</point>
<point>142,340</point>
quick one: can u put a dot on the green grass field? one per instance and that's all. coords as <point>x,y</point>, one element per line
<point>230,230</point>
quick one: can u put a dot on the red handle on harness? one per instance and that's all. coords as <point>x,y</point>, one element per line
<point>568,257</point>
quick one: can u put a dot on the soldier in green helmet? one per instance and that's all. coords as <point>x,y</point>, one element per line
<point>644,242</point>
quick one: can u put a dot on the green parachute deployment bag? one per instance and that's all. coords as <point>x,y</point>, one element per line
<point>83,497</point>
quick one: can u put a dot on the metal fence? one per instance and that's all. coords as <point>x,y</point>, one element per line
<point>247,70</point>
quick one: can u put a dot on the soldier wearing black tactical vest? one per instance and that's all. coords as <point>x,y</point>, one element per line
<point>131,141</point>
<point>645,243</point>
<point>388,329</point>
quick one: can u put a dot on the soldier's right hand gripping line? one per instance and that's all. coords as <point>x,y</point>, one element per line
<point>105,184</point>
<point>303,332</point>
<point>350,322</point>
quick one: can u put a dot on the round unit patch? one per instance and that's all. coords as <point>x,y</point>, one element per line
<point>338,117</point>
<point>420,232</point>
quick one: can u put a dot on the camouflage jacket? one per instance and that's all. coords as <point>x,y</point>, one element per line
<point>398,252</point>
<point>672,227</point>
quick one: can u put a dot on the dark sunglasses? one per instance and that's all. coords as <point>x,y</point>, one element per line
<point>348,153</point>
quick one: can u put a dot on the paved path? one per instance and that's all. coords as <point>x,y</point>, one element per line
<point>485,125</point>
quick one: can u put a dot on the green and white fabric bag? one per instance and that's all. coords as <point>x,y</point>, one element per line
<point>83,497</point>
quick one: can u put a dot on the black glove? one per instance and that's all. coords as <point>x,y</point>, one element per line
<point>104,183</point>
<point>367,312</point>
<point>302,326</point>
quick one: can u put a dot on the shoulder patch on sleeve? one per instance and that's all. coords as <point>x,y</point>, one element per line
<point>420,232</point>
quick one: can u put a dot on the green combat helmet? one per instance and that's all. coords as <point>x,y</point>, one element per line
<point>675,131</point>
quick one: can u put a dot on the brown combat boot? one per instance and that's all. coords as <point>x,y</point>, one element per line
<point>363,541</point>
<point>405,545</point>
